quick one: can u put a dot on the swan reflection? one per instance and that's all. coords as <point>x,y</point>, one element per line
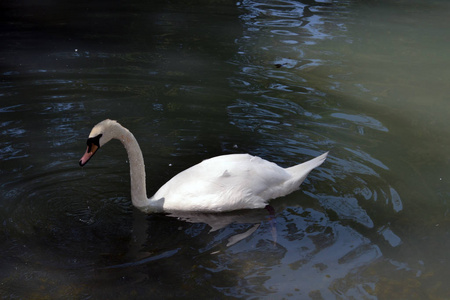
<point>218,221</point>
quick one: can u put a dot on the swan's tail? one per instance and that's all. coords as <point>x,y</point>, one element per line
<point>299,172</point>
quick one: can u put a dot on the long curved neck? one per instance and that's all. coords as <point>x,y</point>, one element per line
<point>137,170</point>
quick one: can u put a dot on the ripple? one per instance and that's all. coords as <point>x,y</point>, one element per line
<point>347,207</point>
<point>289,42</point>
<point>284,32</point>
<point>361,120</point>
<point>289,9</point>
<point>368,158</point>
<point>278,23</point>
<point>12,151</point>
<point>286,62</point>
<point>393,239</point>
<point>396,200</point>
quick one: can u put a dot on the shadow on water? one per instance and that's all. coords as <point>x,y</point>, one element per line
<point>284,80</point>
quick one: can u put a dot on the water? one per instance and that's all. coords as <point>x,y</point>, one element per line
<point>284,80</point>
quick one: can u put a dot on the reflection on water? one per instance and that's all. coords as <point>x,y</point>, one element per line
<point>285,80</point>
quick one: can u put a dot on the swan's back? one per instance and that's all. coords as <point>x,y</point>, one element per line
<point>230,182</point>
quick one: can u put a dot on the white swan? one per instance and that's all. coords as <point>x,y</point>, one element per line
<point>223,183</point>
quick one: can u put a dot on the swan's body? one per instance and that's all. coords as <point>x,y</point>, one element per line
<point>223,183</point>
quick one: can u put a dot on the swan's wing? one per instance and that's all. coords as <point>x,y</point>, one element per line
<point>224,183</point>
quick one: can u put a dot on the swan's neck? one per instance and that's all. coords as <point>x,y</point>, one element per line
<point>137,171</point>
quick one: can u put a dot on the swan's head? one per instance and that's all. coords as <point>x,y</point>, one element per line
<point>102,133</point>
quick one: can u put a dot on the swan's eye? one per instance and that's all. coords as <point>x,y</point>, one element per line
<point>94,141</point>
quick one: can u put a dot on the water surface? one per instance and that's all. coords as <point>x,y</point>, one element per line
<point>284,80</point>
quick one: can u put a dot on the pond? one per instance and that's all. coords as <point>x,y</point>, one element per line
<point>282,80</point>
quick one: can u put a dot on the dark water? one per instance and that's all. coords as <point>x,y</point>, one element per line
<point>284,80</point>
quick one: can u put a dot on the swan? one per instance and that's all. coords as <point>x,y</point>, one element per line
<point>219,184</point>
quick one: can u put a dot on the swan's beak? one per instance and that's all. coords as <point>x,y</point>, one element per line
<point>90,151</point>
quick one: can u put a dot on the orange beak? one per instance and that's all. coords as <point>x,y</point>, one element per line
<point>90,151</point>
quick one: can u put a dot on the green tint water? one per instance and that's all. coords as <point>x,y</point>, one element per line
<point>283,80</point>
